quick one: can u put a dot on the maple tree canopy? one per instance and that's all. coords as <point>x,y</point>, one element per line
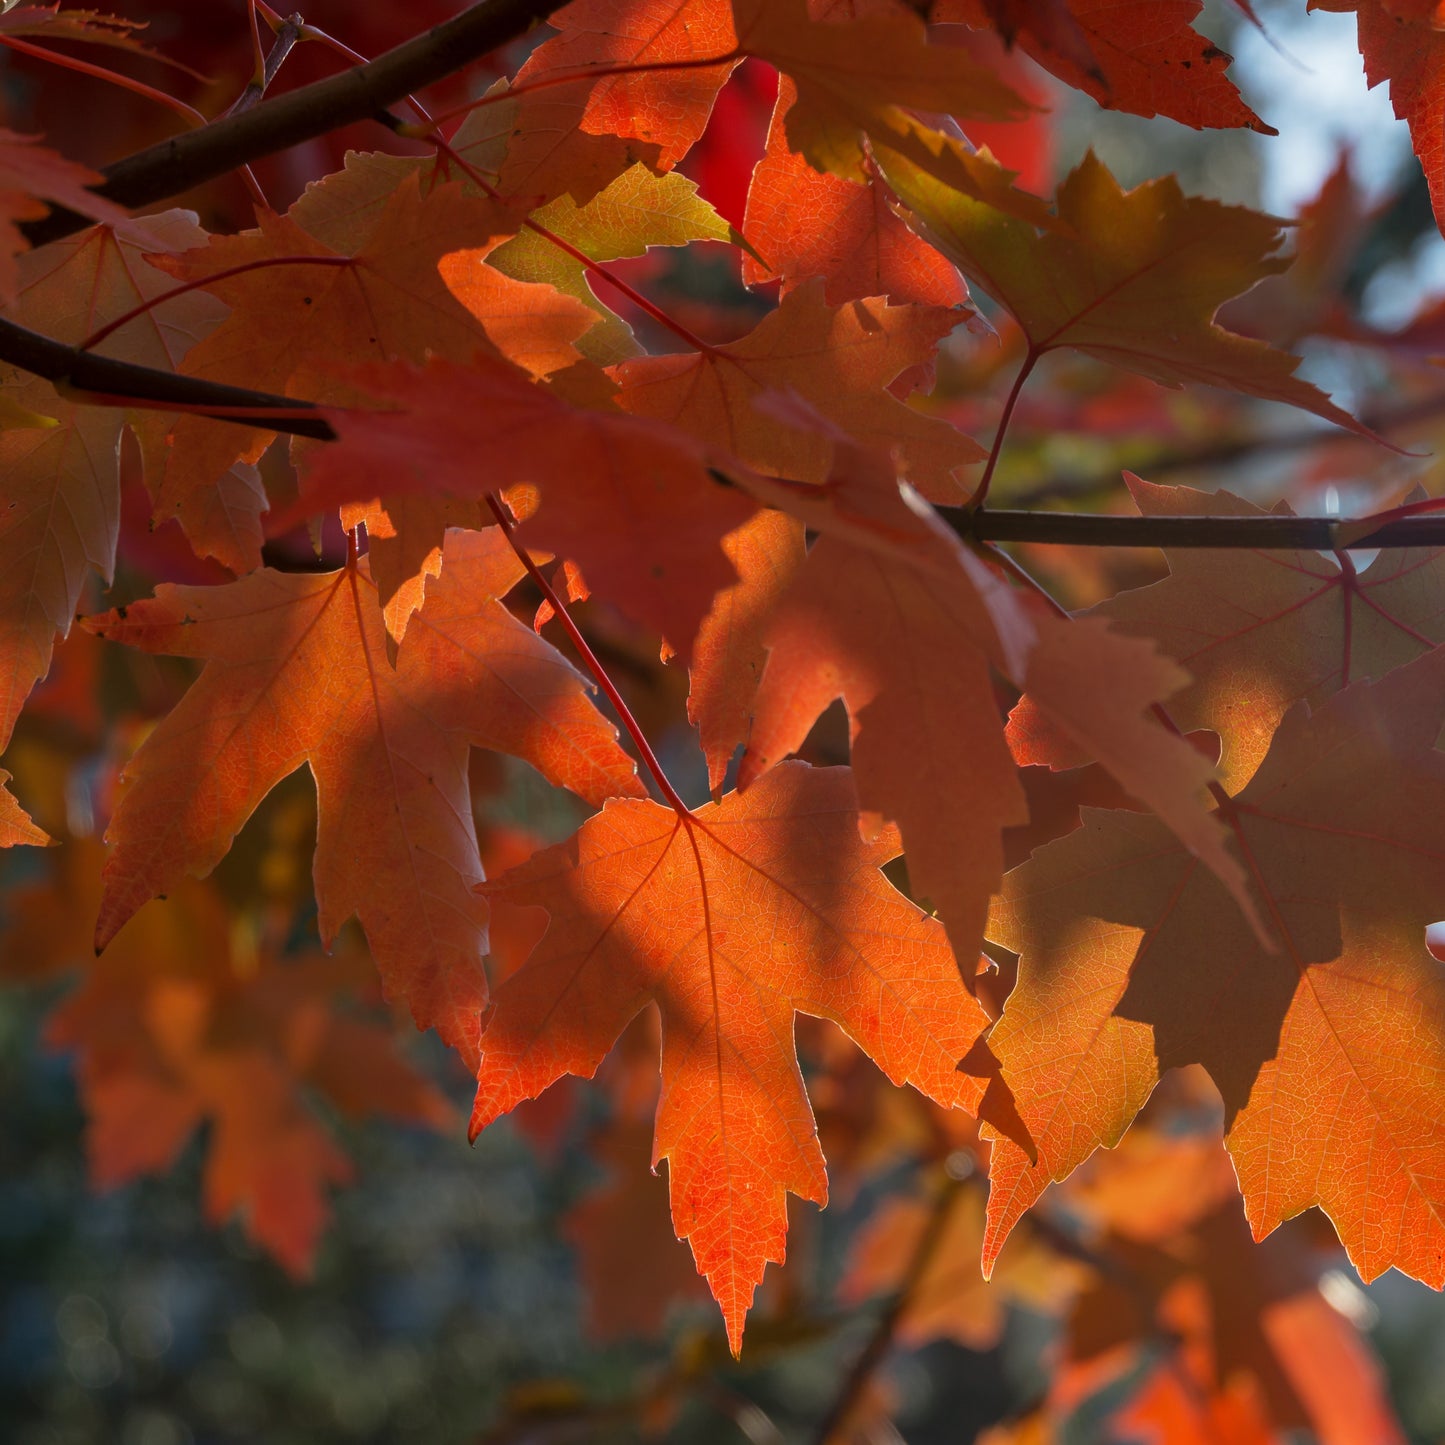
<point>669,457</point>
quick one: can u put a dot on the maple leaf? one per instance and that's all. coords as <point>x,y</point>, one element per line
<point>1098,688</point>
<point>1327,1050</point>
<point>869,75</point>
<point>1402,43</point>
<point>15,826</point>
<point>1142,56</point>
<point>296,673</point>
<point>730,919</point>
<point>1330,232</point>
<point>849,77</point>
<point>175,1027</point>
<point>907,635</point>
<point>643,40</point>
<point>1135,281</point>
<point>636,211</point>
<point>29,171</point>
<point>852,76</point>
<point>91,26</point>
<point>418,242</point>
<point>62,492</point>
<point>364,266</point>
<point>629,500</point>
<point>839,361</point>
<point>1258,631</point>
<point>405,535</point>
<point>1178,1260</point>
<point>547,154</point>
<point>908,648</point>
<point>809,223</point>
<point>863,76</point>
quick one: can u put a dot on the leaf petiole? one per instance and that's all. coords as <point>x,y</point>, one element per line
<point>590,658</point>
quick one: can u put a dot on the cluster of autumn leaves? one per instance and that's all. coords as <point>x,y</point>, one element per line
<point>449,315</point>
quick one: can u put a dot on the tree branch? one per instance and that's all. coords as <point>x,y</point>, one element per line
<point>885,1328</point>
<point>183,161</point>
<point>70,367</point>
<point>1084,529</point>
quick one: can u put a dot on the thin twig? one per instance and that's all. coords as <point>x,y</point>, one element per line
<point>885,1328</point>
<point>281,121</point>
<point>981,492</point>
<point>286,38</point>
<point>1085,529</point>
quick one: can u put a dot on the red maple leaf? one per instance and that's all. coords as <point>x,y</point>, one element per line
<point>730,919</point>
<point>296,672</point>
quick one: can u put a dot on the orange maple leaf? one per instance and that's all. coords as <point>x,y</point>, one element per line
<point>909,650</point>
<point>839,360</point>
<point>864,76</point>
<point>730,652</point>
<point>1259,631</point>
<point>851,77</point>
<point>296,672</point>
<point>1135,281</point>
<point>730,919</point>
<point>1097,687</point>
<point>365,266</point>
<point>1328,1051</point>
<point>643,39</point>
<point>907,631</point>
<point>50,22</point>
<point>805,222</point>
<point>1253,1334</point>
